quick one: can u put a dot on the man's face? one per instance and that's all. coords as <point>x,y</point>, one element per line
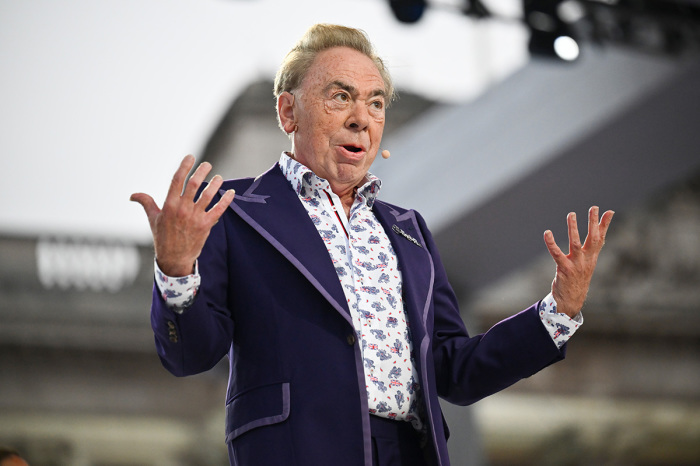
<point>339,111</point>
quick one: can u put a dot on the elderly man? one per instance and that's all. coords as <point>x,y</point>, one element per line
<point>339,323</point>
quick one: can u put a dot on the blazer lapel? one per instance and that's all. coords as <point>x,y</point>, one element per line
<point>416,264</point>
<point>272,208</point>
<point>418,274</point>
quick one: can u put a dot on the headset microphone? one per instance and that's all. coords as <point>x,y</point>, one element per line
<point>386,154</point>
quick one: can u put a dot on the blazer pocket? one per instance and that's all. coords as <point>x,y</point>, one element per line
<point>257,407</point>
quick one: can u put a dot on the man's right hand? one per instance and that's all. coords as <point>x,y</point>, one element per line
<point>182,226</point>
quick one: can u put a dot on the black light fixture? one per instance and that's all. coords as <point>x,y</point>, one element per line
<point>408,11</point>
<point>476,9</point>
<point>550,35</point>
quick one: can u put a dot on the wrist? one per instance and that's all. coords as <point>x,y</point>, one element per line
<point>176,269</point>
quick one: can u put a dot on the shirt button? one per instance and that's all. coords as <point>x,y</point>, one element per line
<point>351,339</point>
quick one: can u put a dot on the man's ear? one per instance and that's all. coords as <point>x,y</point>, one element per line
<point>285,110</point>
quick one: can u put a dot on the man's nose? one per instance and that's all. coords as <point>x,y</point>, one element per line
<point>358,119</point>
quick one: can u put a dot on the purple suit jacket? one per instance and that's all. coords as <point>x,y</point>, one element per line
<point>270,299</point>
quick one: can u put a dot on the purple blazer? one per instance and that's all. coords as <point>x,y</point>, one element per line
<point>270,299</point>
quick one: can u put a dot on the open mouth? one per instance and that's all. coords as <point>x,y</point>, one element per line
<point>353,148</point>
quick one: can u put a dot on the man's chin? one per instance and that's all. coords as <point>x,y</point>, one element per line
<point>350,174</point>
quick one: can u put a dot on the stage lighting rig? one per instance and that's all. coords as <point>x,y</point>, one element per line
<point>656,26</point>
<point>558,27</point>
<point>411,11</point>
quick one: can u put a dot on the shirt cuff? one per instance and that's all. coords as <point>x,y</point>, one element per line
<point>178,292</point>
<point>559,325</point>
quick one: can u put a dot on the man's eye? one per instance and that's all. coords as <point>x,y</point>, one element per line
<point>341,97</point>
<point>378,104</point>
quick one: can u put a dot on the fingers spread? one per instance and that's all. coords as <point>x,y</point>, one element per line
<point>209,192</point>
<point>574,239</point>
<point>597,230</point>
<point>182,226</point>
<point>574,271</point>
<point>592,221</point>
<point>552,247</point>
<point>605,222</point>
<point>220,207</point>
<point>593,236</point>
<point>179,177</point>
<point>196,181</point>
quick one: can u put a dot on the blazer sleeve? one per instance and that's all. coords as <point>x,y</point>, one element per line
<point>196,340</point>
<point>469,368</point>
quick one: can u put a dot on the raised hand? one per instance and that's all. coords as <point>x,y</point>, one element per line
<point>182,226</point>
<point>574,270</point>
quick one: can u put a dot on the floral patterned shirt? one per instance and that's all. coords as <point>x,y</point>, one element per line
<point>370,275</point>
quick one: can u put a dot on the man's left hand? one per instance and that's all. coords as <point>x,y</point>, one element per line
<point>574,270</point>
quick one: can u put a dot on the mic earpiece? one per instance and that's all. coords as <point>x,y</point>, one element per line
<point>386,154</point>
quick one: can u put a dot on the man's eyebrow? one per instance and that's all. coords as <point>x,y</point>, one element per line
<point>379,92</point>
<point>346,87</point>
<point>352,89</point>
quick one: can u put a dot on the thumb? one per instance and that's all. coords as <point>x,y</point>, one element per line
<point>148,204</point>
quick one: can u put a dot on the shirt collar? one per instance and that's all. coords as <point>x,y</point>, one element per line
<point>303,180</point>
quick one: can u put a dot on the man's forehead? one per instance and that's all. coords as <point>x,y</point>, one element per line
<point>343,67</point>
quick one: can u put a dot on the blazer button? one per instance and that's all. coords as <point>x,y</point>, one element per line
<point>171,324</point>
<point>351,339</point>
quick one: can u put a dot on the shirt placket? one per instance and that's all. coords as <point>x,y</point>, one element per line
<point>338,215</point>
<point>334,206</point>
